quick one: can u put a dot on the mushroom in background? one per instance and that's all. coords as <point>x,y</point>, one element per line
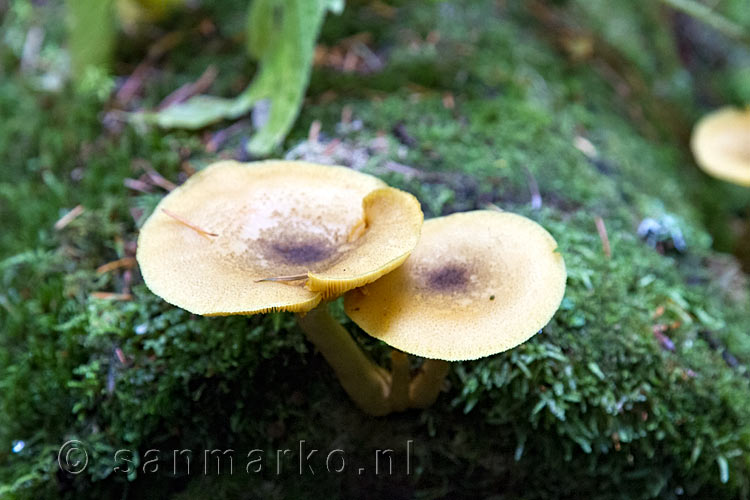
<point>282,236</point>
<point>721,145</point>
<point>478,283</point>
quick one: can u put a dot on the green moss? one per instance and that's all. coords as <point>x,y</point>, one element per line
<point>626,394</point>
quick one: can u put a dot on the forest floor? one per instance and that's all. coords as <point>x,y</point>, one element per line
<point>638,388</point>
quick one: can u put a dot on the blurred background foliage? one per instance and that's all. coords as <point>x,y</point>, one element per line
<point>564,111</point>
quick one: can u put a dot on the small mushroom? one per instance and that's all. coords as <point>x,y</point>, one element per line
<point>721,145</point>
<point>281,236</point>
<point>478,283</point>
<point>273,236</point>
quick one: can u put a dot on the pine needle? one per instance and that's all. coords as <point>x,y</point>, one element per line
<point>192,226</point>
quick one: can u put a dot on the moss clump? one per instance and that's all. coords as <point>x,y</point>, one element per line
<point>637,389</point>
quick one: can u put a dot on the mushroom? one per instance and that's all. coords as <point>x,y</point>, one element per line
<point>721,145</point>
<point>478,283</point>
<point>281,236</point>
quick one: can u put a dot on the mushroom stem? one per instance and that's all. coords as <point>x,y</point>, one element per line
<point>425,386</point>
<point>367,384</point>
<point>400,376</point>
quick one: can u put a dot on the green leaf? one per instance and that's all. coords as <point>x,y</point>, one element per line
<point>596,370</point>
<point>708,320</point>
<point>583,443</point>
<point>281,34</point>
<point>285,71</point>
<point>697,449</point>
<point>262,26</point>
<point>539,406</point>
<point>199,112</point>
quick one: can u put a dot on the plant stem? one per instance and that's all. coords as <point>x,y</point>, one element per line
<point>399,381</point>
<point>91,34</point>
<point>425,387</point>
<point>367,384</point>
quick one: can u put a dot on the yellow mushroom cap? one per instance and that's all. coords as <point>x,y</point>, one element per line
<point>478,283</point>
<point>721,145</point>
<point>211,243</point>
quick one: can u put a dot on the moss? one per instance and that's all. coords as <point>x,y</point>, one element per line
<point>630,392</point>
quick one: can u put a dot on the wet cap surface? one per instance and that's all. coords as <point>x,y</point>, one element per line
<point>721,145</point>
